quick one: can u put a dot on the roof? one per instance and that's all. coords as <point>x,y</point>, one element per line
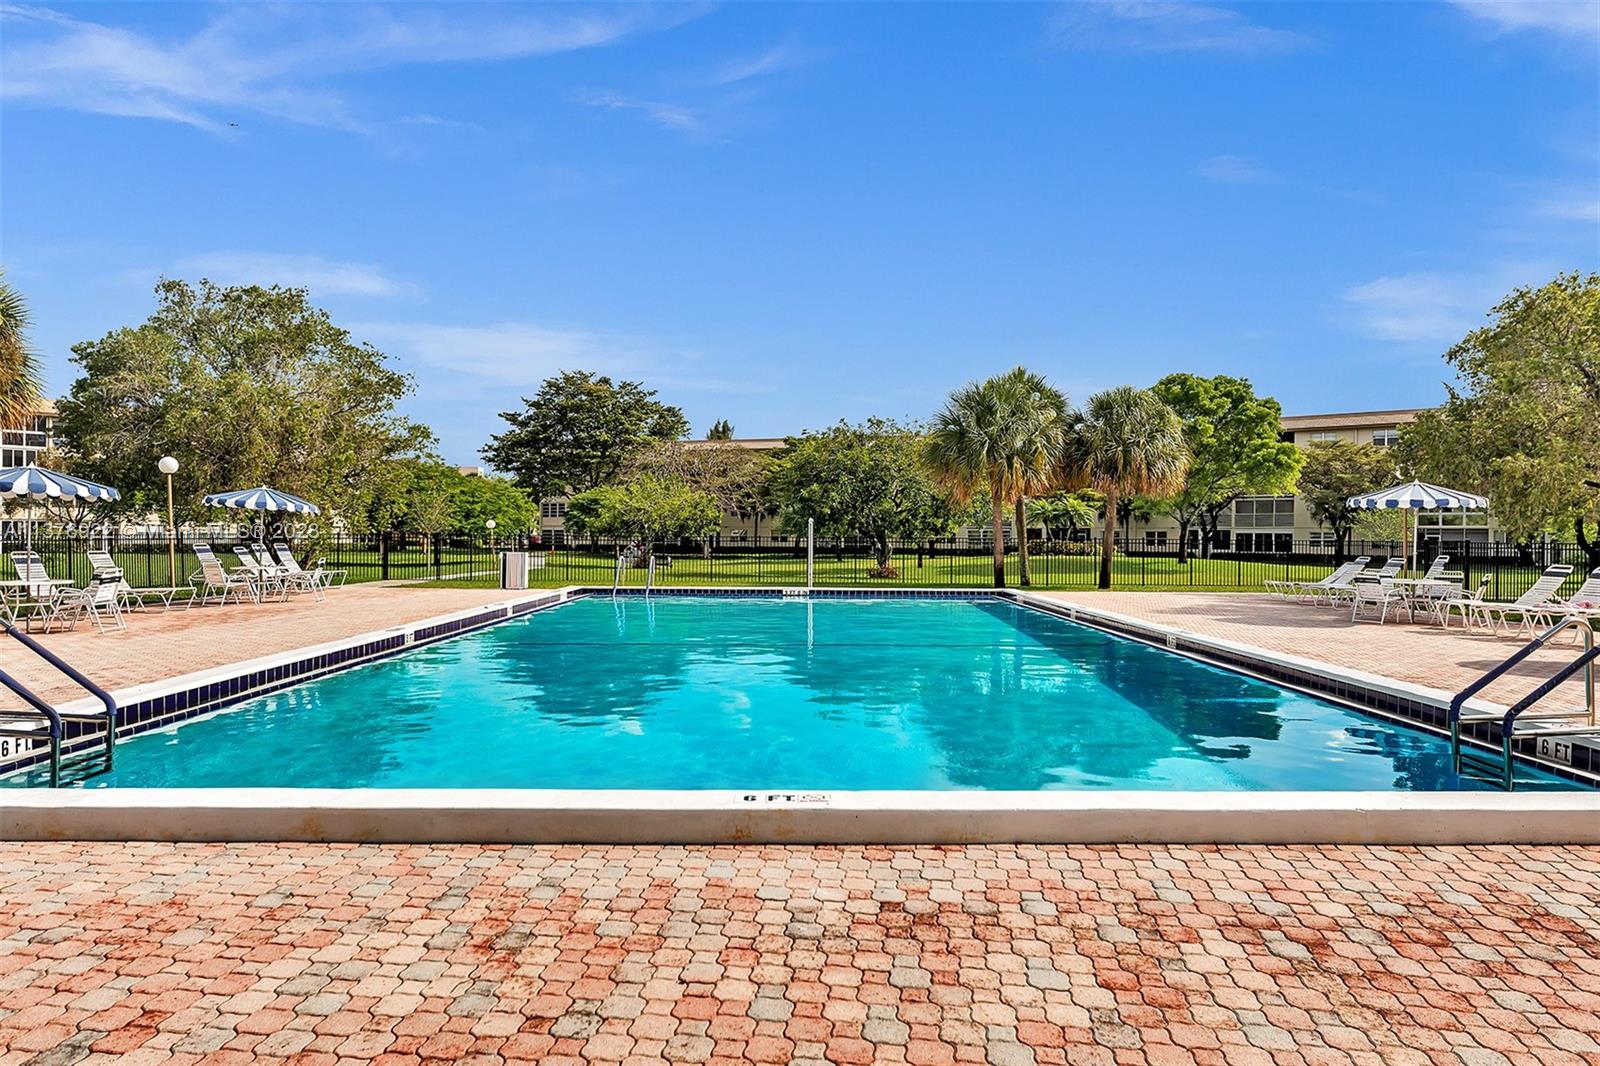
<point>1352,419</point>
<point>755,444</point>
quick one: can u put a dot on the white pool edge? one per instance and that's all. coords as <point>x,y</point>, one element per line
<point>511,816</point>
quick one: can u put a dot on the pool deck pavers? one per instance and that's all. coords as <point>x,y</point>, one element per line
<point>140,954</point>
<point>144,953</point>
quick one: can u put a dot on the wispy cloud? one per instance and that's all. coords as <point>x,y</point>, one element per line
<point>779,58</point>
<point>324,277</point>
<point>1568,18</point>
<point>1235,170</point>
<point>277,61</point>
<point>1570,209</point>
<point>522,354</point>
<point>669,116</point>
<point>1434,308</point>
<point>1159,26</point>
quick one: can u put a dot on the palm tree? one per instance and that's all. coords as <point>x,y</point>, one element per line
<point>19,365</point>
<point>1003,435</point>
<point>1125,442</point>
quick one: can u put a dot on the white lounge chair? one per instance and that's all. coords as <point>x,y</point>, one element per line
<point>99,599</point>
<point>1301,589</point>
<point>1531,608</point>
<point>1389,570</point>
<point>1584,603</point>
<point>330,579</point>
<point>1455,598</point>
<point>293,577</point>
<point>128,597</point>
<point>215,579</point>
<point>35,587</point>
<point>267,579</point>
<point>1377,592</point>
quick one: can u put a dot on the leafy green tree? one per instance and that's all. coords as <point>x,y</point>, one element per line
<point>19,364</point>
<point>863,481</point>
<point>579,431</point>
<point>433,498</point>
<point>1062,514</point>
<point>647,509</point>
<point>1335,470</point>
<point>1002,436</point>
<point>1235,446</point>
<point>735,477</point>
<point>1522,423</point>
<point>721,429</point>
<point>1126,442</point>
<point>245,386</point>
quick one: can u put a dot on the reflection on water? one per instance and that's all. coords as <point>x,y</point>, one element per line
<point>830,694</point>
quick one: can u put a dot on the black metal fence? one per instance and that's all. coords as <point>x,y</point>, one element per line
<point>781,561</point>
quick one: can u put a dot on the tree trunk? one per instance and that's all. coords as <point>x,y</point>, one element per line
<point>1108,537</point>
<point>1024,578</point>
<point>882,542</point>
<point>1590,549</point>
<point>1183,540</point>
<point>996,521</point>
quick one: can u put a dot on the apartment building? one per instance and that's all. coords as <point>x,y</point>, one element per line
<point>28,442</point>
<point>1254,524</point>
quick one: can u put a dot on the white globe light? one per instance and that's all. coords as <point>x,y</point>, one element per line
<point>489,524</point>
<point>167,465</point>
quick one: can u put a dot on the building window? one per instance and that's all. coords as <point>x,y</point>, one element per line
<point>1155,538</point>
<point>1385,438</point>
<point>553,509</point>
<point>1320,538</point>
<point>1264,512</point>
<point>1323,436</point>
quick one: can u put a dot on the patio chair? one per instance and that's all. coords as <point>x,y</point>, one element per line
<point>267,579</point>
<point>1436,570</point>
<point>293,577</point>
<point>1390,570</point>
<point>1584,603</point>
<point>1377,592</point>
<point>1530,608</point>
<point>128,597</point>
<point>214,579</point>
<point>35,587</point>
<point>1443,600</point>
<point>1300,588</point>
<point>100,600</point>
<point>331,579</point>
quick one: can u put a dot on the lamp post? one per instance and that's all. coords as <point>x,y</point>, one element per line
<point>489,525</point>
<point>169,466</point>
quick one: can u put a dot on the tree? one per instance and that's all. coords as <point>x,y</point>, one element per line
<point>1061,514</point>
<point>1126,442</point>
<point>245,386</point>
<point>721,429</point>
<point>579,431</point>
<point>1521,423</point>
<point>433,498</point>
<point>1236,448</point>
<point>19,364</point>
<point>735,477</point>
<point>1002,436</point>
<point>1336,470</point>
<point>646,509</point>
<point>863,481</point>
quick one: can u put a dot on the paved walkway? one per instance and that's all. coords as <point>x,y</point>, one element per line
<point>1422,654</point>
<point>161,644</point>
<point>149,953</point>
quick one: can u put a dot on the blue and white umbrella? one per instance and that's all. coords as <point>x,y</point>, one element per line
<point>36,483</point>
<point>262,499</point>
<point>1419,496</point>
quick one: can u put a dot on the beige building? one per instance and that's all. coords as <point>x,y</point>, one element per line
<point>1255,524</point>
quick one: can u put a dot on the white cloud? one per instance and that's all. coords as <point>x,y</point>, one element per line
<point>1434,308</point>
<point>1568,18</point>
<point>1571,209</point>
<point>523,354</point>
<point>276,60</point>
<point>1235,170</point>
<point>1157,26</point>
<point>324,277</point>
<point>781,57</point>
<point>666,115</point>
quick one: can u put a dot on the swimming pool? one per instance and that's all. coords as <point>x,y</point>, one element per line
<point>688,692</point>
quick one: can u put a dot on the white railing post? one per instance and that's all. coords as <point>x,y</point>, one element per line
<point>811,553</point>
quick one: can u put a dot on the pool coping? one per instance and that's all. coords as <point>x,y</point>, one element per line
<point>690,816</point>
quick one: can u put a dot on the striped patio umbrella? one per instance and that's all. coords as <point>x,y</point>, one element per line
<point>262,499</point>
<point>36,483</point>
<point>1419,496</point>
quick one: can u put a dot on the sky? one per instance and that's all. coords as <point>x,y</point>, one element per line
<point>788,215</point>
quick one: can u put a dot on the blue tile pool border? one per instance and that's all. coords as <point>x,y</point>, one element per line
<point>165,704</point>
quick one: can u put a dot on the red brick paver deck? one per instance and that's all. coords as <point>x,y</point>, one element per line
<point>1422,654</point>
<point>150,953</point>
<point>162,644</point>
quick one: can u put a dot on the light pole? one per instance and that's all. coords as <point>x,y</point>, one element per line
<point>169,466</point>
<point>489,525</point>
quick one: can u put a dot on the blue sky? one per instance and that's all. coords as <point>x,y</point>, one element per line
<point>787,215</point>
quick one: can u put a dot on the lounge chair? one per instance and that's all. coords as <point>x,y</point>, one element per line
<point>214,579</point>
<point>1302,589</point>
<point>294,579</point>
<point>1389,570</point>
<point>99,599</point>
<point>311,580</point>
<point>1452,598</point>
<point>267,579</point>
<point>1585,603</point>
<point>128,597</point>
<point>1531,608</point>
<point>1377,592</point>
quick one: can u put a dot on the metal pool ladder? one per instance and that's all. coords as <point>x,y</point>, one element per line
<point>40,720</point>
<point>1549,729</point>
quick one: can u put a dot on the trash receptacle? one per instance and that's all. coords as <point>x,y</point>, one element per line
<point>513,570</point>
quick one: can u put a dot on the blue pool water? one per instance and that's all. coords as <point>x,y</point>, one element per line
<point>767,693</point>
